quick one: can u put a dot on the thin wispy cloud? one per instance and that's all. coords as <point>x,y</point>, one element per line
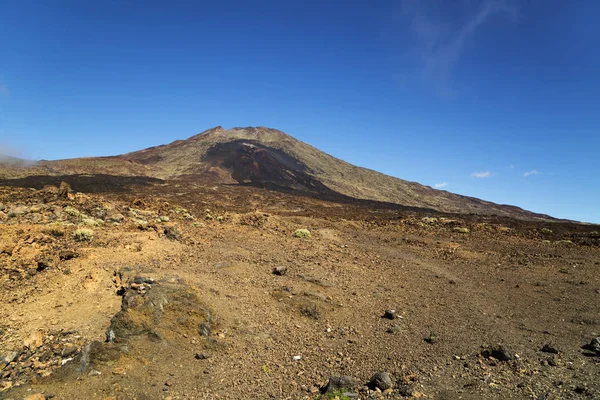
<point>483,174</point>
<point>441,42</point>
<point>440,185</point>
<point>531,173</point>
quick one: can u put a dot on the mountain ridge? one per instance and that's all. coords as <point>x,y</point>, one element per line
<point>267,157</point>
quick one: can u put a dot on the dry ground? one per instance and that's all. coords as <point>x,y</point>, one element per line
<point>207,318</point>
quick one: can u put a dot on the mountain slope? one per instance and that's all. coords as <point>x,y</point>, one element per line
<point>270,158</point>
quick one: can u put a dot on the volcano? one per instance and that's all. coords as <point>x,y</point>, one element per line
<point>269,158</point>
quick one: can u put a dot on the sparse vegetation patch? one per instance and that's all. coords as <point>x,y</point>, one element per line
<point>83,235</point>
<point>302,233</point>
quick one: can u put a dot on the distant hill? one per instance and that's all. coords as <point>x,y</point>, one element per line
<point>14,161</point>
<point>270,158</point>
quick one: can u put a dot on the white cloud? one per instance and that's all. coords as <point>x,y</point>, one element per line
<point>440,185</point>
<point>442,42</point>
<point>484,174</point>
<point>532,172</point>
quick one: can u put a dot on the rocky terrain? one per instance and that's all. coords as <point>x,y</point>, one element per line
<point>243,263</point>
<point>159,288</point>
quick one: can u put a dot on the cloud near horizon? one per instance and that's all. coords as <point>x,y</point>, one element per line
<point>483,174</point>
<point>440,185</point>
<point>442,42</point>
<point>532,172</point>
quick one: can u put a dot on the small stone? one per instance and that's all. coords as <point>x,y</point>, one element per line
<point>171,232</point>
<point>205,329</point>
<point>201,356</point>
<point>10,357</point>
<point>69,350</point>
<point>389,314</point>
<point>381,381</point>
<point>549,348</point>
<point>34,341</point>
<point>280,271</point>
<point>110,336</point>
<point>169,383</point>
<point>337,383</point>
<point>595,344</point>
<point>499,352</point>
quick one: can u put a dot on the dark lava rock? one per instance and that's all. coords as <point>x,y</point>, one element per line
<point>69,350</point>
<point>499,352</point>
<point>389,314</point>
<point>405,390</point>
<point>549,348</point>
<point>65,255</point>
<point>580,390</point>
<point>337,383</point>
<point>593,346</point>
<point>381,381</point>
<point>201,356</point>
<point>280,271</point>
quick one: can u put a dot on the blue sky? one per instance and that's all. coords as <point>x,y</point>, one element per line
<point>498,99</point>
